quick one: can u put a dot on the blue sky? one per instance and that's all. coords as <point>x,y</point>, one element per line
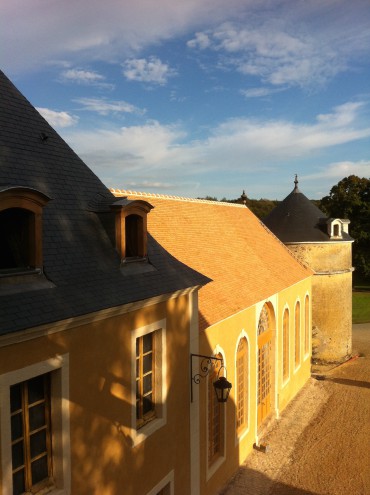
<point>200,97</point>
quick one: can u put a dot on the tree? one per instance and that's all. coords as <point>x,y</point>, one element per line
<point>350,198</point>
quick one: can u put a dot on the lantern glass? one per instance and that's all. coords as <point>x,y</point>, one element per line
<point>222,388</point>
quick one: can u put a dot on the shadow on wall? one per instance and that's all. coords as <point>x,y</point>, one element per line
<point>250,482</point>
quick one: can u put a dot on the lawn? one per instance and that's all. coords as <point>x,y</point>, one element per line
<point>361,307</point>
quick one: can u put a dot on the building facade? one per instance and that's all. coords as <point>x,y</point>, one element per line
<point>254,314</point>
<point>108,303</point>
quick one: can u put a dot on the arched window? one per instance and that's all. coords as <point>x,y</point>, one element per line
<point>242,385</point>
<point>215,420</point>
<point>297,321</point>
<point>131,228</point>
<point>286,345</point>
<point>17,239</point>
<point>20,229</point>
<point>306,324</point>
<point>134,234</point>
<point>265,363</point>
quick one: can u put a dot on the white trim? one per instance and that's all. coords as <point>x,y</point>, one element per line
<point>319,242</point>
<point>194,406</point>
<point>309,329</point>
<point>284,382</point>
<point>69,323</point>
<point>59,368</point>
<point>238,438</point>
<point>296,368</point>
<point>159,327</point>
<point>221,459</point>
<point>167,481</point>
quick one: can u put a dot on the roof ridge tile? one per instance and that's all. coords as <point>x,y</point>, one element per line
<point>127,192</point>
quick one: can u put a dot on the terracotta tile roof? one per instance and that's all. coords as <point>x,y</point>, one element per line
<point>227,243</point>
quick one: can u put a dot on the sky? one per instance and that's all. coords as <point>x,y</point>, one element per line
<point>200,98</point>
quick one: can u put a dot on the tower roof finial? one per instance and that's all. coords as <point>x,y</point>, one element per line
<point>296,183</point>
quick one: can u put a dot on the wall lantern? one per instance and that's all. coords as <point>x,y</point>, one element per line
<point>209,363</point>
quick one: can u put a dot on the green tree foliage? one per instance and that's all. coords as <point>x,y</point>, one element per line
<point>350,198</point>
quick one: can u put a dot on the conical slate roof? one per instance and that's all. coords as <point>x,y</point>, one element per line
<point>297,219</point>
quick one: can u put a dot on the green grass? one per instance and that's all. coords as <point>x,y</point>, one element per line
<point>361,307</point>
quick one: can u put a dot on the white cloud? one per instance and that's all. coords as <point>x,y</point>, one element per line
<point>84,77</point>
<point>200,41</point>
<point>94,30</point>
<point>338,170</point>
<point>58,119</point>
<point>274,55</point>
<point>105,107</point>
<point>152,71</point>
<point>234,145</point>
<point>260,92</point>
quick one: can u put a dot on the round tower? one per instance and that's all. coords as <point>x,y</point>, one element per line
<point>326,247</point>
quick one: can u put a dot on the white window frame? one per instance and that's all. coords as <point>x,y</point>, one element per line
<point>211,469</point>
<point>160,359</point>
<point>58,367</point>
<point>167,482</point>
<point>239,436</point>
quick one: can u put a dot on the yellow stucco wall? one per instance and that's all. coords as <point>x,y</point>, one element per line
<point>103,458</point>
<point>332,297</point>
<point>224,337</point>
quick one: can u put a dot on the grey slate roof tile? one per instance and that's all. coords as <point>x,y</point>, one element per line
<point>297,219</point>
<point>78,254</point>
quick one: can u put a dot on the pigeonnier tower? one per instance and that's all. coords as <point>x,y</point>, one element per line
<point>325,245</point>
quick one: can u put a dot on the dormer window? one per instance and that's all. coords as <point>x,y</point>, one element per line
<point>21,230</point>
<point>131,229</point>
<point>335,228</point>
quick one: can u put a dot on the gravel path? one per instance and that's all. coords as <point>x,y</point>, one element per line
<point>321,444</point>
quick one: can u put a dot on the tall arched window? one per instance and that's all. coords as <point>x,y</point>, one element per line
<point>286,345</point>
<point>215,420</point>
<point>306,324</point>
<point>297,321</point>
<point>242,385</point>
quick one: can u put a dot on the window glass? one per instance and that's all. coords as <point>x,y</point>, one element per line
<point>30,434</point>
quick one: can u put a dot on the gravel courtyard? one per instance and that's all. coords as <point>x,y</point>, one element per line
<point>321,444</point>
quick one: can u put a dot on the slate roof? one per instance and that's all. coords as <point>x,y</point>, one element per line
<point>227,243</point>
<point>297,219</point>
<point>78,246</point>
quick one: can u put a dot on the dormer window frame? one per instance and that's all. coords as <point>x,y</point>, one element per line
<point>125,208</point>
<point>335,228</point>
<point>31,201</point>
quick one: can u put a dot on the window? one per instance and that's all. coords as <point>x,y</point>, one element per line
<point>145,380</point>
<point>165,486</point>
<point>242,385</point>
<point>215,420</point>
<point>34,429</point>
<point>297,334</point>
<point>148,380</point>
<point>16,253</point>
<point>131,228</point>
<point>286,345</point>
<point>307,325</point>
<point>134,233</point>
<point>31,435</point>
<point>21,229</point>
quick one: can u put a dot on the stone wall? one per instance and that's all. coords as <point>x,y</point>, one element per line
<point>331,298</point>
